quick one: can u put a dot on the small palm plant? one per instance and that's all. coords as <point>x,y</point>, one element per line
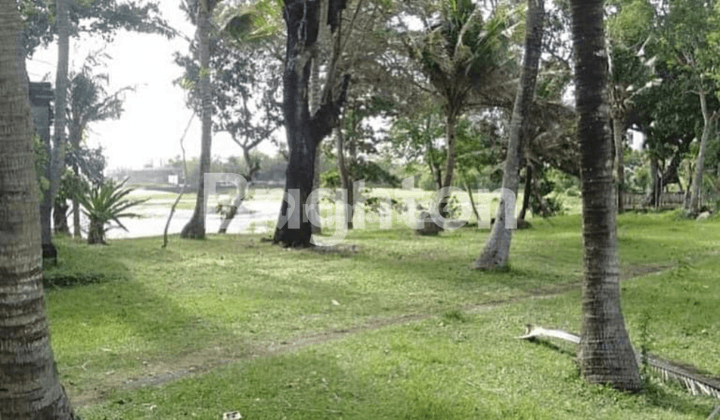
<point>104,203</point>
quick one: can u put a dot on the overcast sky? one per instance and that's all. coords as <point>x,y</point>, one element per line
<point>155,114</point>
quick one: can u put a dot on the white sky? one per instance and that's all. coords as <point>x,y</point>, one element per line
<point>155,114</point>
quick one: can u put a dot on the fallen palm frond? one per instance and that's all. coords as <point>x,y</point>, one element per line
<point>715,413</point>
<point>695,381</point>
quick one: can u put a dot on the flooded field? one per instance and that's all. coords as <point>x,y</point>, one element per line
<point>256,214</point>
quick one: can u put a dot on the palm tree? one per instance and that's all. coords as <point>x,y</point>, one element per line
<point>606,355</point>
<point>460,56</point>
<point>30,387</point>
<point>57,159</point>
<point>89,102</point>
<point>497,248</point>
<point>195,227</point>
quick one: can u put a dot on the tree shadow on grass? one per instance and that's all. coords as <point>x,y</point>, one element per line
<point>308,385</point>
<point>82,265</point>
<point>107,335</point>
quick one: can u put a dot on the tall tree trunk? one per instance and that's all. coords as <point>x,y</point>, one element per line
<point>450,140</point>
<point>60,209</point>
<point>29,386</point>
<point>618,134</point>
<point>346,184</point>
<point>452,115</point>
<point>469,192</point>
<point>195,227</point>
<point>700,162</point>
<point>75,145</point>
<point>527,191</point>
<point>43,122</point>
<point>57,158</point>
<point>77,233</point>
<point>435,170</point>
<point>304,131</point>
<point>653,197</point>
<point>688,191</point>
<point>314,104</point>
<point>606,355</point>
<point>497,248</point>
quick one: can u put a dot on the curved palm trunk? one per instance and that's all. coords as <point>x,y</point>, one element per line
<point>606,355</point>
<point>29,387</point>
<point>57,158</point>
<point>497,248</point>
<point>195,227</point>
<point>700,163</point>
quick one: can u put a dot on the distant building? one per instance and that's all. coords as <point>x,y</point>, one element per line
<point>155,176</point>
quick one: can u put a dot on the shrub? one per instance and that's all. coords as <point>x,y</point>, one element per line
<point>104,203</point>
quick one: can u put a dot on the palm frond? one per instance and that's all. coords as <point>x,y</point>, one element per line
<point>254,22</point>
<point>695,381</point>
<point>107,202</point>
<point>715,413</point>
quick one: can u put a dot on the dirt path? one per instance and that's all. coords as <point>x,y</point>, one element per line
<point>204,362</point>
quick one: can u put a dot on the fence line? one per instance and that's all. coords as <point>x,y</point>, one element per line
<point>666,201</point>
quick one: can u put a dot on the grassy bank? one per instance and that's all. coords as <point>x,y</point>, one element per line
<point>396,326</point>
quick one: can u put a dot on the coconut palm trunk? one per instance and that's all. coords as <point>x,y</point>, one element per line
<point>527,191</point>
<point>29,387</point>
<point>57,158</point>
<point>497,248</point>
<point>346,183</point>
<point>618,134</point>
<point>74,140</point>
<point>606,355</point>
<point>700,162</point>
<point>451,118</point>
<point>195,227</point>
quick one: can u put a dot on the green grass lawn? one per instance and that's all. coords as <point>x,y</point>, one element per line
<point>398,327</point>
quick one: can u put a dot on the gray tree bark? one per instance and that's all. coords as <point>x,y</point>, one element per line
<point>700,162</point>
<point>57,158</point>
<point>497,248</point>
<point>195,227</point>
<point>346,184</point>
<point>618,134</point>
<point>527,191</point>
<point>606,355</point>
<point>74,142</point>
<point>304,130</point>
<point>29,386</point>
